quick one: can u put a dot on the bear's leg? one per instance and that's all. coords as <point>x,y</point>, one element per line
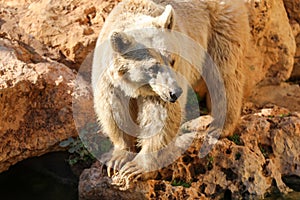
<point>227,47</point>
<point>116,159</point>
<point>112,115</point>
<point>123,151</point>
<point>234,93</point>
<point>160,122</point>
<point>227,106</point>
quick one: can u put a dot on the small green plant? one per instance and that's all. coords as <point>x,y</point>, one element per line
<point>180,183</point>
<point>236,139</point>
<point>263,151</point>
<point>77,150</point>
<point>285,115</point>
<point>195,105</point>
<point>210,160</point>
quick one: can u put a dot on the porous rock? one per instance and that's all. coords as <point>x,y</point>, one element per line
<point>293,11</point>
<point>35,103</point>
<point>249,165</point>
<point>272,47</point>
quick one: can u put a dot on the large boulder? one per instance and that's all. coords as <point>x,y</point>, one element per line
<point>72,27</point>
<point>293,11</point>
<point>38,83</point>
<point>272,47</point>
<point>285,95</point>
<point>35,103</point>
<point>65,31</point>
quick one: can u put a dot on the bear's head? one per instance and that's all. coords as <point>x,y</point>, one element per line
<point>142,71</point>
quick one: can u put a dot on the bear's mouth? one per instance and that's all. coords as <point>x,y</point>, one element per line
<point>172,97</point>
<point>167,94</point>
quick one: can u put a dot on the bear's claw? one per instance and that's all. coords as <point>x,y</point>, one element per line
<point>129,173</point>
<point>117,161</point>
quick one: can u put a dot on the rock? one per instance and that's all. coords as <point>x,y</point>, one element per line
<point>201,123</point>
<point>264,148</point>
<point>94,186</point>
<point>293,11</point>
<point>65,31</point>
<point>284,95</point>
<point>69,26</point>
<point>35,103</point>
<point>296,70</point>
<point>272,49</point>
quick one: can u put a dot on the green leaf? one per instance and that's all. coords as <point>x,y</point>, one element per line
<point>66,143</point>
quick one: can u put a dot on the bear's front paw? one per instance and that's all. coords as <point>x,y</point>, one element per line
<point>118,159</point>
<point>140,167</point>
<point>128,174</point>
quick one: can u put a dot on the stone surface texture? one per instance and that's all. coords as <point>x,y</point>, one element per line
<point>45,43</point>
<point>272,49</point>
<point>35,104</point>
<point>250,165</point>
<point>293,11</point>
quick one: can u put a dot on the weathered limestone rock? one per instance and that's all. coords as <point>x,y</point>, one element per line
<point>271,58</point>
<point>293,11</point>
<point>285,95</point>
<point>247,165</point>
<point>65,31</point>
<point>35,104</point>
<point>70,26</point>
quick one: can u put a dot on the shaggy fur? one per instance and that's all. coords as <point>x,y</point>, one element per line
<point>219,26</point>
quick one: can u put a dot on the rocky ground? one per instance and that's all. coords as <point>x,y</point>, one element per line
<point>43,45</point>
<point>261,158</point>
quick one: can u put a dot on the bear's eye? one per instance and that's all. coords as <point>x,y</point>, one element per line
<point>154,69</point>
<point>172,62</point>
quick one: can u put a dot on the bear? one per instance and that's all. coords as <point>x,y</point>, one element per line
<point>138,96</point>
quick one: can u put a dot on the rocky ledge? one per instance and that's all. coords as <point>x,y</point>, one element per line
<point>260,158</point>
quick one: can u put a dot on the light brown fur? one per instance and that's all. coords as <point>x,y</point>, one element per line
<point>220,27</point>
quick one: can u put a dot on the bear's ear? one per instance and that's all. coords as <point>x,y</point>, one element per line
<point>166,19</point>
<point>120,42</point>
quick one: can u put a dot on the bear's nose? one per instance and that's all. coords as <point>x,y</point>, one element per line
<point>175,95</point>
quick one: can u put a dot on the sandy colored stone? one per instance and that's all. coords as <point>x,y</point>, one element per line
<point>272,49</point>
<point>284,95</point>
<point>65,31</point>
<point>293,11</point>
<point>268,142</point>
<point>36,105</point>
<point>70,26</point>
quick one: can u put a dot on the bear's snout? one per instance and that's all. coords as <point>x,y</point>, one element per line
<point>174,95</point>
